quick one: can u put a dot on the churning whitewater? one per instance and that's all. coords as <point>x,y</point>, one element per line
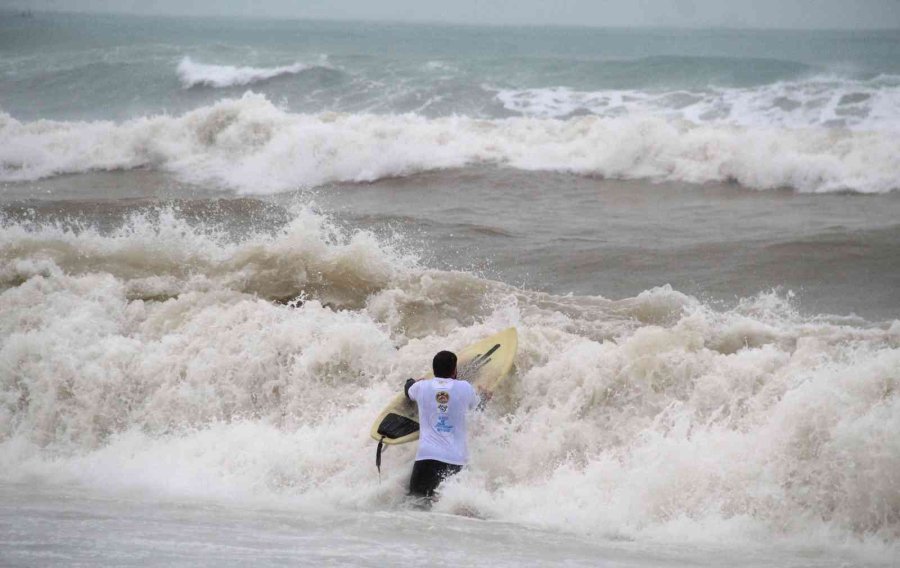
<point>164,358</point>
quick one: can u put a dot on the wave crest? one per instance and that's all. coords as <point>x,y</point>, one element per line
<point>252,146</point>
<point>194,74</point>
<point>814,102</point>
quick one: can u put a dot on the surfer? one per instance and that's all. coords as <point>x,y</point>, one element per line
<point>443,403</point>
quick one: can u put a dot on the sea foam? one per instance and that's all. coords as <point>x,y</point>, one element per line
<point>654,416</point>
<point>811,102</point>
<point>252,146</point>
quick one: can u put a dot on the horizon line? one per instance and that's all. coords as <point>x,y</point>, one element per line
<point>19,12</point>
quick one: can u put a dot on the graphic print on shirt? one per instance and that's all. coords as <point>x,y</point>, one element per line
<point>443,406</point>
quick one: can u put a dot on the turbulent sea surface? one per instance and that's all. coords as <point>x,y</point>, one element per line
<point>225,244</point>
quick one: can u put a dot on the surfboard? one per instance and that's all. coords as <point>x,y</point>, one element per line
<point>485,364</point>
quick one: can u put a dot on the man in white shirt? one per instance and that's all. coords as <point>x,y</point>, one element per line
<point>443,404</point>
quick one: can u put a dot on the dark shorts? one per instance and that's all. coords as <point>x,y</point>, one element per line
<point>428,474</point>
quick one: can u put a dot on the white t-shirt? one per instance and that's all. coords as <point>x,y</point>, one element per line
<point>443,404</point>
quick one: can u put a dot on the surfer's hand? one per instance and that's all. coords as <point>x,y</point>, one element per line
<point>409,383</point>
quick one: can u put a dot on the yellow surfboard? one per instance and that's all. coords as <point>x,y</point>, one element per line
<point>485,364</point>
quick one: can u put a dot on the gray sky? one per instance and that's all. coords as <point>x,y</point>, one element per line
<point>680,13</point>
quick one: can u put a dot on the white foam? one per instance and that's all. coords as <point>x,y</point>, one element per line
<point>193,74</point>
<point>653,417</point>
<point>252,146</point>
<point>167,256</point>
<point>815,102</point>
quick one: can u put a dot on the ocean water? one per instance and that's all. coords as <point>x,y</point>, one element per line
<point>224,244</point>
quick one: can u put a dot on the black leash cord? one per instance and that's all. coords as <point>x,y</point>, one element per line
<point>378,457</point>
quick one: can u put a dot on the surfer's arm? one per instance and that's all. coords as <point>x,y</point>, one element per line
<point>406,387</point>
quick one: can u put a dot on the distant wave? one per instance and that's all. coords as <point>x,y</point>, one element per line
<point>193,74</point>
<point>250,145</point>
<point>821,101</point>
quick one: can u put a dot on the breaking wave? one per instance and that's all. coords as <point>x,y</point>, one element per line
<point>252,146</point>
<point>194,74</point>
<point>165,357</point>
<point>815,102</point>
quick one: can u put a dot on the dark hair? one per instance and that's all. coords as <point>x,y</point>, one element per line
<point>444,364</point>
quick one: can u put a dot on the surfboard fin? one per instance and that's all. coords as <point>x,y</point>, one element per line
<point>480,361</point>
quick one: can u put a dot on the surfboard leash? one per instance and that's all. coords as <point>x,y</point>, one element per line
<point>378,457</point>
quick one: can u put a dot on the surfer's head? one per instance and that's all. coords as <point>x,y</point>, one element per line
<point>444,365</point>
